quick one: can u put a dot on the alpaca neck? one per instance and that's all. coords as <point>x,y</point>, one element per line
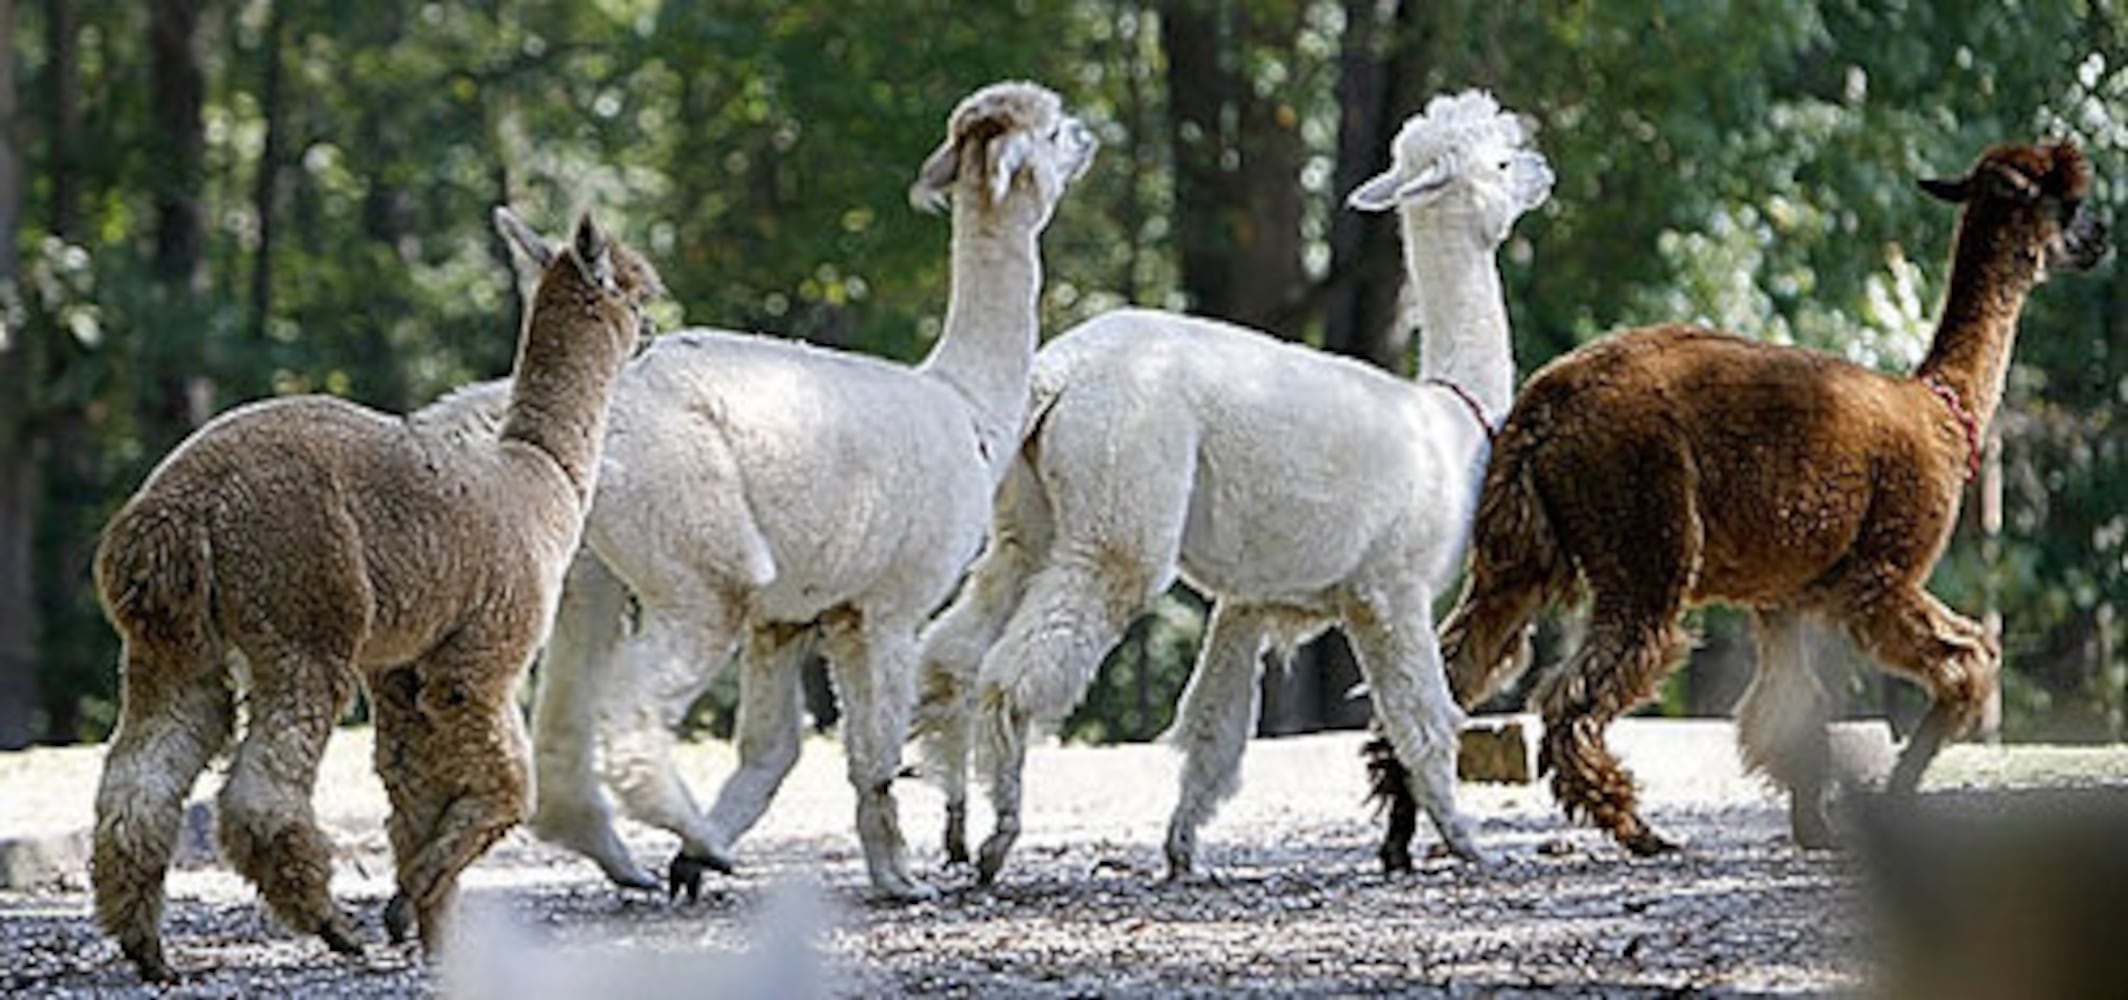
<point>1971,350</point>
<point>561,381</point>
<point>987,347</point>
<point>1463,334</point>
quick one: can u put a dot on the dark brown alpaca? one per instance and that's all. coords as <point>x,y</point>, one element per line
<point>1673,466</point>
<point>300,546</point>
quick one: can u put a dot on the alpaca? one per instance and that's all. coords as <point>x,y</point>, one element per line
<point>1674,466</point>
<point>772,495</point>
<point>327,545</point>
<point>1161,444</point>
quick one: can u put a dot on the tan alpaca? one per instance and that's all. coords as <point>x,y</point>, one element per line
<point>1676,466</point>
<point>326,545</point>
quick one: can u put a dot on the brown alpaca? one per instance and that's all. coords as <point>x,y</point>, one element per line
<point>326,545</point>
<point>1672,466</point>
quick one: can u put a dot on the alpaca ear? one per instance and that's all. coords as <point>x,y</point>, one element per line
<point>1384,192</point>
<point>592,252</point>
<point>514,232</point>
<point>2008,183</point>
<point>1006,155</point>
<point>1946,190</point>
<point>935,177</point>
<point>1378,194</point>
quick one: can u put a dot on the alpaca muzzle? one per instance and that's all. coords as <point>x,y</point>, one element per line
<point>2083,242</point>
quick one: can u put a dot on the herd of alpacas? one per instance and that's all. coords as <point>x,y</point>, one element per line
<point>635,516</point>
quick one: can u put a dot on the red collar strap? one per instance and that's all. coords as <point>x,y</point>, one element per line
<point>1468,401</point>
<point>1966,421</point>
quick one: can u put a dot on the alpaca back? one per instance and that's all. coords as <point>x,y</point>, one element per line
<point>1789,448</point>
<point>1274,503</point>
<point>750,423</point>
<point>414,529</point>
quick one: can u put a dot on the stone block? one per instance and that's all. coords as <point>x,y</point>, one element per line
<point>1499,748</point>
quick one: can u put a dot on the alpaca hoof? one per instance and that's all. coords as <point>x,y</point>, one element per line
<point>1396,858</point>
<point>1808,823</point>
<point>992,857</point>
<point>685,874</point>
<point>956,839</point>
<point>1647,844</point>
<point>632,877</point>
<point>1477,857</point>
<point>148,960</point>
<point>398,918</point>
<point>339,937</point>
<point>906,892</point>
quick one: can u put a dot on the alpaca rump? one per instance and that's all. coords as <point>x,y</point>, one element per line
<point>772,498</point>
<point>1162,445</point>
<point>1674,466</point>
<point>322,545</point>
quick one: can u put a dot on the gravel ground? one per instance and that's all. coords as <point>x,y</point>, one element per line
<point>1291,901</point>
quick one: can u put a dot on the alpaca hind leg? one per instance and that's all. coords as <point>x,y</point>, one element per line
<point>661,671</point>
<point>1218,710</point>
<point>1039,668</point>
<point>464,782</point>
<point>1911,632</point>
<point>265,821</point>
<point>953,648</point>
<point>173,719</point>
<point>1781,724</point>
<point>1617,669</point>
<point>874,666</point>
<point>769,733</point>
<point>1389,788</point>
<point>570,808</point>
<point>1394,638</point>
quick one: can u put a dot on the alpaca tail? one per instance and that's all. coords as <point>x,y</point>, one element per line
<point>1516,567</point>
<point>177,711</point>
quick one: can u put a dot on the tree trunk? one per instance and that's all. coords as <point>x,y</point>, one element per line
<point>166,409</point>
<point>264,187</point>
<point>18,461</point>
<point>62,46</point>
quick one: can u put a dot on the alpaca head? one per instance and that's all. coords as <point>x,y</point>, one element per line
<point>589,265</point>
<point>2029,200</point>
<point>1462,160</point>
<point>1010,149</point>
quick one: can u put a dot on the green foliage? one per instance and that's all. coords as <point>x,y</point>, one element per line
<point>1747,163</point>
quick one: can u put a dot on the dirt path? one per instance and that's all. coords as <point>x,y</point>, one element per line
<point>1292,903</point>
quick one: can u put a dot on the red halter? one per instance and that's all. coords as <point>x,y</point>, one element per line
<point>1966,421</point>
<point>1469,401</point>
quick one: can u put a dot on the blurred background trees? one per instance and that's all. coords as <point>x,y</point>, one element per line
<point>215,200</point>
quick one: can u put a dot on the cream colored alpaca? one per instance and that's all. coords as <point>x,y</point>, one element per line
<point>1160,443</point>
<point>771,495</point>
<point>326,545</point>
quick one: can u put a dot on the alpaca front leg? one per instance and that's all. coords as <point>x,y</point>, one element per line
<point>570,808</point>
<point>1781,724</point>
<point>1218,711</point>
<point>1416,711</point>
<point>874,667</point>
<point>770,730</point>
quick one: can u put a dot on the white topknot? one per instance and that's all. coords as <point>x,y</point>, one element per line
<point>1451,122</point>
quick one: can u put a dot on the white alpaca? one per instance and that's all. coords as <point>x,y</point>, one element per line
<point>1299,489</point>
<point>769,493</point>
